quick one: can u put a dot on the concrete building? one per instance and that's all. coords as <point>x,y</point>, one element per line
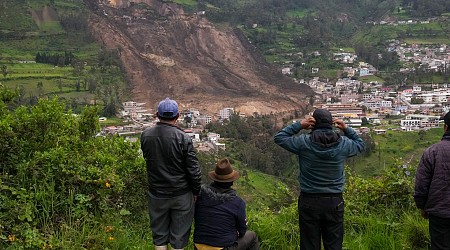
<point>224,114</point>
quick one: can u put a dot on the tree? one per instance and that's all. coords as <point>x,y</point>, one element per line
<point>40,88</point>
<point>60,85</point>
<point>415,100</point>
<point>4,70</point>
<point>422,134</point>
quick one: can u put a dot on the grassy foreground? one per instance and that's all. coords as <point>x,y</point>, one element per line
<point>63,188</point>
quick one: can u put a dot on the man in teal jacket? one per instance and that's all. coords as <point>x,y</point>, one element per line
<point>322,155</point>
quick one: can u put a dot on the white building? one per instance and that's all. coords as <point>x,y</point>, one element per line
<point>416,121</point>
<point>133,109</point>
<point>225,113</point>
<point>378,104</point>
<point>204,119</point>
<point>286,71</point>
<point>213,137</point>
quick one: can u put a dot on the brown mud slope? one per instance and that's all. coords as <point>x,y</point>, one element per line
<point>167,53</point>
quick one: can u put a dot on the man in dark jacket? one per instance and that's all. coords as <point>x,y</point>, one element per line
<point>220,217</point>
<point>321,154</point>
<point>174,178</point>
<point>432,189</point>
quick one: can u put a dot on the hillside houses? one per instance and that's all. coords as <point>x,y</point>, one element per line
<point>433,58</point>
<point>353,100</point>
<point>136,119</point>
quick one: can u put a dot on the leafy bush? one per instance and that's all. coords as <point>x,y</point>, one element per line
<point>391,190</point>
<point>55,173</point>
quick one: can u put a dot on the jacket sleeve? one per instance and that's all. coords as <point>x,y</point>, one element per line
<point>423,180</point>
<point>241,219</point>
<point>286,138</point>
<point>193,168</point>
<point>357,143</point>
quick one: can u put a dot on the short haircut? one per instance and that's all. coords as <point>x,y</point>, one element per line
<point>447,119</point>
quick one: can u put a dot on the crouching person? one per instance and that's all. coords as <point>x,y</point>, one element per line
<point>220,217</point>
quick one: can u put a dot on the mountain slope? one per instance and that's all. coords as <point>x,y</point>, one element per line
<point>168,53</point>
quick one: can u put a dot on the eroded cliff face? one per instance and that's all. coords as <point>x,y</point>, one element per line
<point>169,54</point>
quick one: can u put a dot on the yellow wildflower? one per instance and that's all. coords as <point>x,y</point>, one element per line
<point>107,185</point>
<point>108,228</point>
<point>11,237</point>
<point>111,238</point>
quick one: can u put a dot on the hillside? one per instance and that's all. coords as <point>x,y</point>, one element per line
<point>168,53</point>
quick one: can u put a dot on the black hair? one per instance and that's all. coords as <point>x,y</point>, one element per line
<point>223,184</point>
<point>447,119</point>
<point>168,119</point>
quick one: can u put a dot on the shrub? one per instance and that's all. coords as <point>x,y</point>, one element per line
<point>56,173</point>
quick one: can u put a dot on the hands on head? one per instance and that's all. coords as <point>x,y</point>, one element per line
<point>340,124</point>
<point>309,122</point>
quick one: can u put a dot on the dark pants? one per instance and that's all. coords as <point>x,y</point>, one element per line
<point>439,232</point>
<point>248,242</point>
<point>171,219</point>
<point>321,218</point>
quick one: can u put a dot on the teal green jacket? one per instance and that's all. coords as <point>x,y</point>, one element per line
<point>321,163</point>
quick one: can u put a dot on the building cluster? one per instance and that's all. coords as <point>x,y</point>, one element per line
<point>355,101</point>
<point>434,58</point>
<point>403,22</point>
<point>137,118</point>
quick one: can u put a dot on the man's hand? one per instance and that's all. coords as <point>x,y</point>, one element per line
<point>308,122</point>
<point>340,124</point>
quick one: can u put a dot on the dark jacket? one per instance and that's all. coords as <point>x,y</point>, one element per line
<point>220,216</point>
<point>172,165</point>
<point>321,156</point>
<point>432,187</point>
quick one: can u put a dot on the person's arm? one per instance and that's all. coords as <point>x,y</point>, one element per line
<point>241,219</point>
<point>193,168</point>
<point>357,143</point>
<point>423,181</point>
<point>286,137</point>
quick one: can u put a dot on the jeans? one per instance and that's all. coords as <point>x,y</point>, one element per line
<point>171,219</point>
<point>440,232</point>
<point>321,217</point>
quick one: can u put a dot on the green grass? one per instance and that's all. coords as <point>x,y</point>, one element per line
<point>16,18</point>
<point>40,70</point>
<point>112,121</point>
<point>51,27</point>
<point>429,40</point>
<point>392,146</point>
<point>378,34</point>
<point>328,73</point>
<point>298,13</point>
<point>37,4</point>
<point>256,187</point>
<point>371,78</point>
<point>344,49</point>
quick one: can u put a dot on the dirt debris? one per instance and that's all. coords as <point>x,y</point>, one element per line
<point>168,53</point>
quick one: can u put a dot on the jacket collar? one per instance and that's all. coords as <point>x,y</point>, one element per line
<point>167,124</point>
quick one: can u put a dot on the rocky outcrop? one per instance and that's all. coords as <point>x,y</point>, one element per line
<point>167,53</point>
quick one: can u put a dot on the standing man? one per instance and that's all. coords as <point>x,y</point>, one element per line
<point>174,178</point>
<point>432,189</point>
<point>220,217</point>
<point>321,154</point>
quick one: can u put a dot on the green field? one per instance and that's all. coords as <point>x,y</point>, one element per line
<point>395,146</point>
<point>427,40</point>
<point>372,78</point>
<point>425,33</point>
<point>298,13</point>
